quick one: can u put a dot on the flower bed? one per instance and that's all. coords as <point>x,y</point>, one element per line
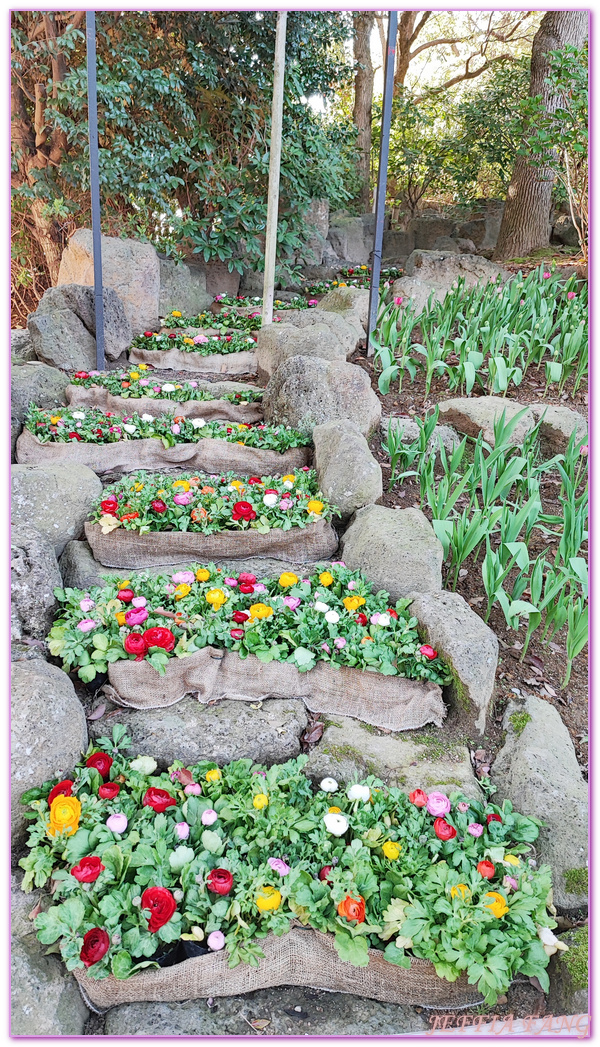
<point>105,442</point>
<point>200,344</point>
<point>177,360</point>
<point>141,860</point>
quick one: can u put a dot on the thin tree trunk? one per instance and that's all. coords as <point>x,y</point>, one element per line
<point>526,220</point>
<point>404,39</point>
<point>363,99</point>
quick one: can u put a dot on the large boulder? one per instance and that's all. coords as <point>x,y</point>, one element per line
<point>276,343</point>
<point>45,999</point>
<point>352,238</point>
<point>34,575</point>
<point>475,414</point>
<point>348,474</point>
<point>306,391</point>
<point>436,272</point>
<point>397,246</point>
<point>426,229</point>
<point>130,267</point>
<point>32,382</point>
<point>558,423</point>
<point>537,769</point>
<point>61,339</point>
<point>79,298</point>
<point>340,328</point>
<point>55,500</point>
<point>484,225</point>
<point>408,431</point>
<point>569,974</point>
<point>466,644</point>
<point>350,752</point>
<point>48,732</point>
<point>352,303</point>
<point>223,732</point>
<point>446,243</point>
<point>183,287</point>
<point>21,346</point>
<point>565,232</point>
<point>396,549</point>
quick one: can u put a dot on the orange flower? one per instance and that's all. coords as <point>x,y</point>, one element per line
<point>198,514</point>
<point>352,909</point>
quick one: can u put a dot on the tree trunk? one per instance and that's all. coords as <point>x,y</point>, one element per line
<point>526,220</point>
<point>406,25</point>
<point>363,99</point>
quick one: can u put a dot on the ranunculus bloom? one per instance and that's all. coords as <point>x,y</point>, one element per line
<point>240,617</point>
<point>279,866</point>
<point>243,511</point>
<point>159,636</point>
<point>494,818</point>
<point>219,881</point>
<point>209,816</point>
<point>158,505</point>
<point>109,790</point>
<point>125,595</point>
<point>193,789</point>
<point>182,830</point>
<point>352,909</point>
<point>96,944</point>
<point>87,624</point>
<point>86,605</point>
<point>231,582</point>
<point>362,619</point>
<point>135,644</point>
<point>237,634</point>
<point>64,788</point>
<point>158,799</point>
<point>427,651</point>
<point>117,823</point>
<point>438,804</point>
<point>329,785</point>
<point>65,812</point>
<point>88,869</point>
<point>139,601</point>
<point>183,578</point>
<point>269,899</point>
<point>247,588</point>
<point>136,616</point>
<point>109,506</point>
<point>335,824</point>
<point>102,762</point>
<point>510,883</point>
<point>246,578</point>
<point>260,801</point>
<point>359,792</point>
<point>184,498</point>
<point>292,602</point>
<point>324,873</point>
<point>144,764</point>
<point>391,850</point>
<point>339,642</point>
<point>475,829</point>
<point>161,904</point>
<point>418,798</point>
<point>216,941</point>
<point>443,830</point>
<point>497,904</point>
<point>462,807</point>
<point>486,869</point>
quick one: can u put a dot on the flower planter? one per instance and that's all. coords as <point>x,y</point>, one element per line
<point>97,396</point>
<point>301,957</point>
<point>121,548</point>
<point>208,455</point>
<point>390,702</point>
<point>176,360</point>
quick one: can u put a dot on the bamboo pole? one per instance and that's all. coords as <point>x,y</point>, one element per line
<point>274,169</point>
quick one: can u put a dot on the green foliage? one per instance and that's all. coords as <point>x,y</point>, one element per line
<point>519,722</point>
<point>576,881</point>
<point>576,959</point>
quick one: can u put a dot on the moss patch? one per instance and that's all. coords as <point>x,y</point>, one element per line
<point>576,959</point>
<point>576,881</point>
<point>342,752</point>
<point>438,748</point>
<point>519,722</point>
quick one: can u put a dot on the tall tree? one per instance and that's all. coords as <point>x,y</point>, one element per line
<point>526,220</point>
<point>363,99</point>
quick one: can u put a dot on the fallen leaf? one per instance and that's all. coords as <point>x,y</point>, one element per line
<point>550,690</point>
<point>35,911</point>
<point>555,647</point>
<point>313,734</point>
<point>98,712</point>
<point>534,661</point>
<point>184,776</point>
<point>536,984</point>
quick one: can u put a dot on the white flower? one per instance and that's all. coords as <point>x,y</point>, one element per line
<point>130,428</point>
<point>335,824</point>
<point>144,764</point>
<point>359,792</point>
<point>78,414</point>
<point>288,483</point>
<point>319,606</point>
<point>332,616</point>
<point>270,499</point>
<point>147,418</point>
<point>329,785</point>
<point>550,942</point>
<point>168,388</point>
<point>198,422</point>
<point>384,619</point>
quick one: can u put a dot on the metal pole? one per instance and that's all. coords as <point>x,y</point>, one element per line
<point>90,34</point>
<point>274,167</point>
<point>384,151</point>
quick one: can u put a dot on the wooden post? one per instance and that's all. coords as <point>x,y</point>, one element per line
<point>274,168</point>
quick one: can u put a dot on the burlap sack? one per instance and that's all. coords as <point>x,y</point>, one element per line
<point>78,396</point>
<point>391,702</point>
<point>122,548</point>
<point>207,456</point>
<point>176,360</point>
<point>301,957</point>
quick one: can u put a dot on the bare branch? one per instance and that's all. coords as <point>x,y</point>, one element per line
<point>418,27</point>
<point>468,74</point>
<point>437,43</point>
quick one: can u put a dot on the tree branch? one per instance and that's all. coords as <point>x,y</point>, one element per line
<point>436,43</point>
<point>469,74</point>
<point>418,28</point>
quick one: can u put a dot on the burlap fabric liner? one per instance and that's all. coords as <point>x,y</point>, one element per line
<point>391,702</point>
<point>97,396</point>
<point>122,548</point>
<point>207,456</point>
<point>301,957</point>
<point>176,360</point>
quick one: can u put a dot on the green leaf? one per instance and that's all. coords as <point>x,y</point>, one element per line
<point>182,855</point>
<point>397,956</point>
<point>121,964</point>
<point>211,841</point>
<point>352,950</point>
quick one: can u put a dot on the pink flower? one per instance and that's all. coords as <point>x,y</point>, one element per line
<point>398,300</point>
<point>136,616</point>
<point>193,789</point>
<point>546,276</point>
<point>231,582</point>
<point>582,450</point>
<point>216,941</point>
<point>199,339</point>
<point>144,381</point>
<point>375,618</point>
<point>324,647</point>
<point>182,830</point>
<point>169,588</point>
<point>352,584</point>
<point>313,301</point>
<point>260,588</point>
<point>475,829</point>
<point>522,302</point>
<point>117,823</point>
<point>209,817</point>
<point>571,295</point>
<point>462,807</point>
<point>86,624</point>
<point>285,503</point>
<point>86,605</point>
<point>176,429</point>
<point>279,866</point>
<point>183,578</point>
<point>336,563</point>
<point>438,804</point>
<point>292,602</point>
<point>339,642</point>
<point>156,388</point>
<point>184,498</point>
<point>510,882</point>
<point>138,601</point>
<point>193,385</point>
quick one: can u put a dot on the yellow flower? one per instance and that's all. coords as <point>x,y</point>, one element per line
<point>216,597</point>
<point>242,425</point>
<point>214,775</point>
<point>238,485</point>
<point>343,285</point>
<point>260,801</point>
<point>178,386</point>
<point>260,610</point>
<point>143,367</point>
<point>290,476</point>
<point>162,491</point>
<point>202,575</point>
<point>391,850</point>
<point>335,810</point>
<point>498,906</point>
<point>363,267</point>
<point>182,590</point>
<point>134,374</point>
<point>269,899</point>
<point>126,581</point>
<point>65,813</point>
<point>352,603</point>
<point>120,616</point>
<point>334,284</point>
<point>315,507</point>
<point>139,487</point>
<point>54,418</point>
<point>175,312</point>
<point>287,579</point>
<point>460,889</point>
<point>326,578</point>
<point>181,483</point>
<point>188,341</point>
<point>511,859</point>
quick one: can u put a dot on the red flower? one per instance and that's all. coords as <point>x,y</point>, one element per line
<point>361,619</point>
<point>324,873</point>
<point>243,511</point>
<point>252,479</point>
<point>158,505</point>
<point>240,616</point>
<point>81,374</point>
<point>96,944</point>
<point>227,337</point>
<point>161,904</point>
<point>158,800</point>
<point>494,818</point>
<point>238,634</point>
<point>392,612</point>
<point>418,798</point>
<point>247,589</point>
<point>136,644</point>
<point>427,651</point>
<point>486,869</point>
<point>102,762</point>
<point>109,790</point>
<point>88,869</point>
<point>171,336</point>
<point>443,830</point>
<point>159,636</point>
<point>350,272</point>
<point>129,516</point>
<point>125,595</point>
<point>219,881</point>
<point>148,334</point>
<point>64,788</point>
